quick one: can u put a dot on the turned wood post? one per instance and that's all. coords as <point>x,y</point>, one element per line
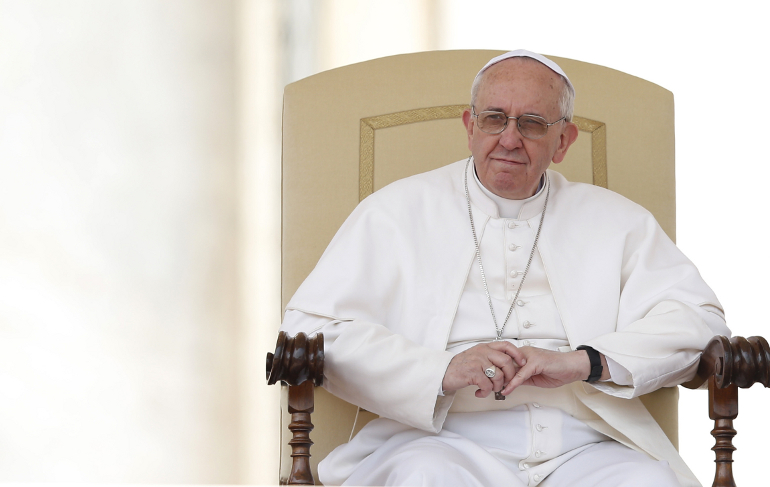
<point>298,362</point>
<point>723,409</point>
<point>300,407</point>
<point>728,364</point>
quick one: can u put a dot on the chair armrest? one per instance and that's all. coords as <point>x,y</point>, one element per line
<point>728,364</point>
<point>298,361</point>
<point>740,361</point>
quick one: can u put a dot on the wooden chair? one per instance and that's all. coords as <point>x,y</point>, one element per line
<point>352,130</point>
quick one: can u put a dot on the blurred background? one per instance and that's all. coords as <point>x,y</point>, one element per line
<point>140,206</point>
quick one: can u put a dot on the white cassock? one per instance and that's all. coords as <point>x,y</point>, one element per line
<point>398,293</point>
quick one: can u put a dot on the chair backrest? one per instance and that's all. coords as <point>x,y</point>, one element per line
<point>352,130</point>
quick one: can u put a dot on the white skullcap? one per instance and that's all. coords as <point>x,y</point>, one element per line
<point>537,57</point>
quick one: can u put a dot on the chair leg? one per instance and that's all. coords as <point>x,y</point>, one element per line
<point>300,407</point>
<point>723,408</point>
<point>298,361</point>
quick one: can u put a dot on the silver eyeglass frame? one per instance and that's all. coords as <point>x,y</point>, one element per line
<point>518,127</point>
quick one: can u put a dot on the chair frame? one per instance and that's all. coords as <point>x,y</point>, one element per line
<point>298,361</point>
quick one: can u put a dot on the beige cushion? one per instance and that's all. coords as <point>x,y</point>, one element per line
<point>355,129</point>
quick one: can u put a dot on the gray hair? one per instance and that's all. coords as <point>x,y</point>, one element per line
<point>566,99</point>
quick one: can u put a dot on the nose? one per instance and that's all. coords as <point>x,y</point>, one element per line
<point>511,138</point>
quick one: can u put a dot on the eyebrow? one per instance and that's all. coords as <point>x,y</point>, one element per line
<point>498,109</point>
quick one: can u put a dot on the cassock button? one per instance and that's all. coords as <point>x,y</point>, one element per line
<point>521,465</point>
<point>534,404</point>
<point>537,478</point>
<point>513,247</point>
<point>526,343</point>
<point>539,427</point>
<point>526,465</point>
<point>527,324</point>
<point>538,453</point>
<point>511,225</point>
<point>520,303</point>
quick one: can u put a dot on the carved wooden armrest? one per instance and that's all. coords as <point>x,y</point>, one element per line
<point>728,364</point>
<point>299,362</point>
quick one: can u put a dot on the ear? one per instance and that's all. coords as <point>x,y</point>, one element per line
<point>468,122</point>
<point>569,135</point>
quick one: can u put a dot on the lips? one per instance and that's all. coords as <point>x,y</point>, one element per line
<point>506,161</point>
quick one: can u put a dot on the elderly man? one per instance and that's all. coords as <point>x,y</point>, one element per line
<point>501,320</point>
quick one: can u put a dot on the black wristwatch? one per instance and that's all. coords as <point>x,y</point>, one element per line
<point>596,363</point>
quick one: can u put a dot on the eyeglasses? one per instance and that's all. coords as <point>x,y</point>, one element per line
<point>530,126</point>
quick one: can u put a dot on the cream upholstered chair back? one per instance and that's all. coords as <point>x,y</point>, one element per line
<point>352,130</point>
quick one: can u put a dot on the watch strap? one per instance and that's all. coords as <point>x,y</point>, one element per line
<point>596,363</point>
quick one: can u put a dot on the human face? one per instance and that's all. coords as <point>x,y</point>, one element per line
<point>508,164</point>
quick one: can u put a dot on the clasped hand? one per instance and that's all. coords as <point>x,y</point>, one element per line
<point>515,367</point>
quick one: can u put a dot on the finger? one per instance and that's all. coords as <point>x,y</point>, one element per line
<point>511,350</point>
<point>484,384</point>
<point>506,368</point>
<point>522,377</point>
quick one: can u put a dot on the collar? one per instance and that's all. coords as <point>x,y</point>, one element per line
<point>498,207</point>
